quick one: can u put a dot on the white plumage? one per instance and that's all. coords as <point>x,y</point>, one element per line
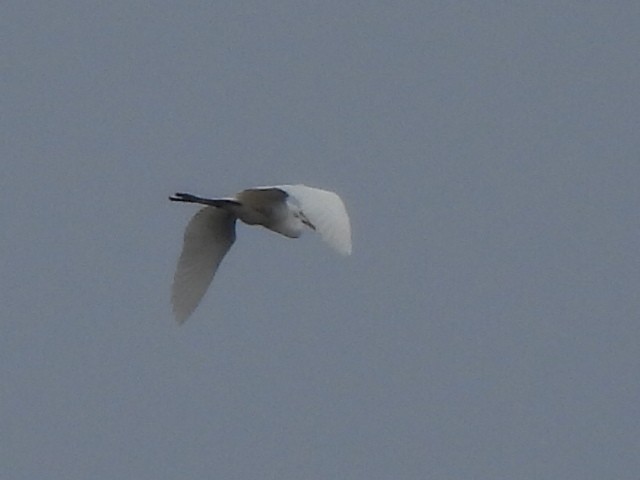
<point>285,209</point>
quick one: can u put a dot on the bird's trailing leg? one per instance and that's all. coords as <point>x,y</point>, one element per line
<point>213,202</point>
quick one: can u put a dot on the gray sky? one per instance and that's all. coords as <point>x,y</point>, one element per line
<point>486,326</point>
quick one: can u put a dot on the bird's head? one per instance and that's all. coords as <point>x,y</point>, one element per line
<point>303,218</point>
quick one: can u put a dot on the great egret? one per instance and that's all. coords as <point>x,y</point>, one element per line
<point>285,209</point>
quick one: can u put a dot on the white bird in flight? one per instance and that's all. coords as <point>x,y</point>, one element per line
<point>285,209</point>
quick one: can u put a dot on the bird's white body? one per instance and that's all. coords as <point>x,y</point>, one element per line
<point>285,209</point>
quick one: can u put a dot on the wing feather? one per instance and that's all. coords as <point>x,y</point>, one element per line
<point>207,238</point>
<point>326,211</point>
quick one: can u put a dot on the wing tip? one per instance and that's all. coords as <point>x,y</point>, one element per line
<point>180,313</point>
<point>342,248</point>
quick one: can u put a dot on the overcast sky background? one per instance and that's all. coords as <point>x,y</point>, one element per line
<point>486,325</point>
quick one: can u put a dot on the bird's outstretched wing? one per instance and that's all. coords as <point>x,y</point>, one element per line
<point>326,211</point>
<point>207,238</point>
